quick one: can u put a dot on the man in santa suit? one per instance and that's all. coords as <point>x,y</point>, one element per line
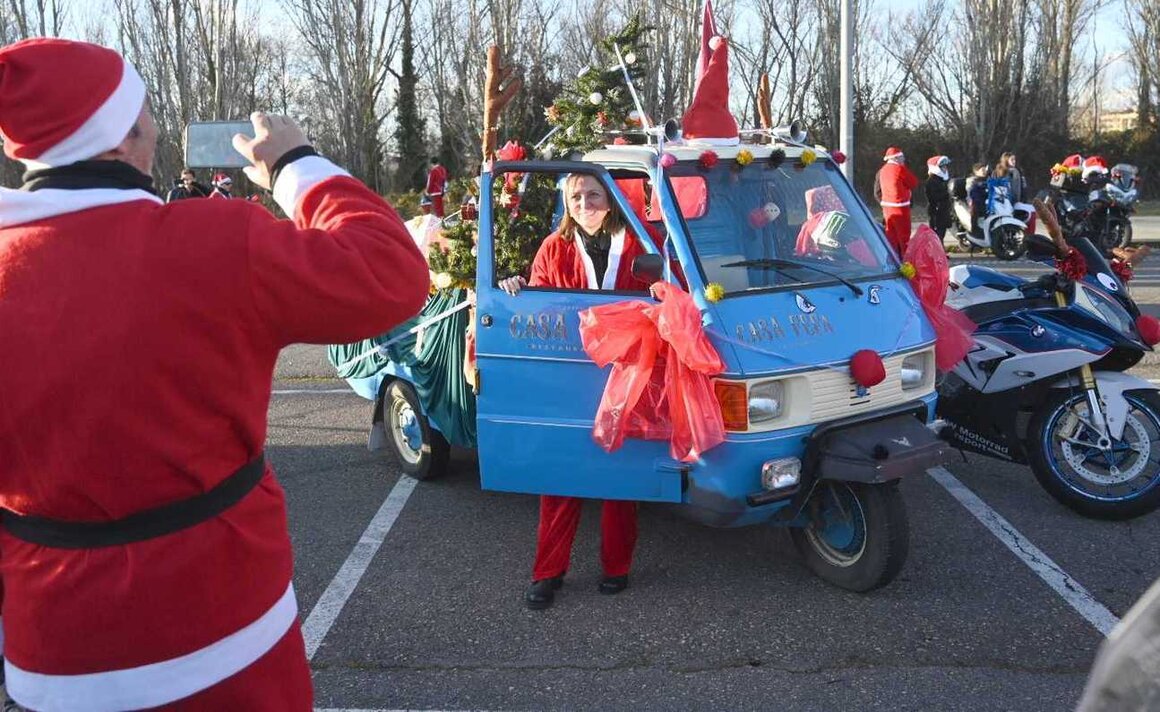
<point>437,187</point>
<point>146,559</point>
<point>593,249</point>
<point>892,187</point>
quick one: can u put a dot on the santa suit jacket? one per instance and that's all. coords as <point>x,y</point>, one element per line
<point>893,185</point>
<point>562,262</point>
<point>436,180</point>
<point>140,342</point>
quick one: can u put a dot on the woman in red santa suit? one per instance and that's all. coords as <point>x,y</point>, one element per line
<point>593,249</point>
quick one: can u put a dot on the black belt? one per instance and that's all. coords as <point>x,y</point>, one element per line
<point>148,524</point>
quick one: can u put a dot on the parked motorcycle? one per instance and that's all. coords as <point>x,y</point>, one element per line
<point>1000,230</point>
<point>1099,208</point>
<point>1120,196</point>
<point>1044,383</point>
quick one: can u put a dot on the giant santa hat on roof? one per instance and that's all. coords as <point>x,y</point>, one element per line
<point>708,119</point>
<point>45,121</point>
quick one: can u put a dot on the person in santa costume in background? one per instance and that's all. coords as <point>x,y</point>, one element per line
<point>437,186</point>
<point>892,187</point>
<point>222,184</point>
<point>142,340</point>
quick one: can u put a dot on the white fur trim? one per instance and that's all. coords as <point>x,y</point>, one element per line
<point>894,205</point>
<point>299,177</point>
<point>158,683</point>
<point>615,250</point>
<point>104,130</point>
<point>18,206</point>
<point>721,141</point>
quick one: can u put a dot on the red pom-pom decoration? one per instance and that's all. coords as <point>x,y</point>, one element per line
<point>867,369</point>
<point>708,159</point>
<point>1149,328</point>
<point>1123,270</point>
<point>668,160</point>
<point>1073,266</point>
<point>838,157</point>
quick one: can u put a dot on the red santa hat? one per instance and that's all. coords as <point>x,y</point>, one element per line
<point>892,152</point>
<point>708,119</point>
<point>63,101</point>
<point>936,166</point>
<point>1073,161</point>
<point>1094,164</point>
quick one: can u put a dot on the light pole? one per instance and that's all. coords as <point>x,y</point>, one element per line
<point>846,79</point>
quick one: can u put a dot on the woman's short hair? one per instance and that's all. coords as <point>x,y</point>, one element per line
<point>613,222</point>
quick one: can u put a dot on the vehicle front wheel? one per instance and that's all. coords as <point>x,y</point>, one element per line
<point>1008,243</point>
<point>422,451</point>
<point>858,535</point>
<point>1118,482</point>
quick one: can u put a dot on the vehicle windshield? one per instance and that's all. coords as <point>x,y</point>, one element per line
<point>767,228</point>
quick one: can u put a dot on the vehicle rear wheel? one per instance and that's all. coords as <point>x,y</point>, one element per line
<point>858,535</point>
<point>422,451</point>
<point>1120,482</point>
<point>1007,243</point>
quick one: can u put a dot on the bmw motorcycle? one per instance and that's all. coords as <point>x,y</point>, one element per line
<point>1044,384</point>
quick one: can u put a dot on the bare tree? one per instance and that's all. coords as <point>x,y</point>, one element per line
<point>351,44</point>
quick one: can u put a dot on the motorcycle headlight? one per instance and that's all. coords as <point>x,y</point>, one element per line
<point>915,369</point>
<point>766,401</point>
<point>1095,302</point>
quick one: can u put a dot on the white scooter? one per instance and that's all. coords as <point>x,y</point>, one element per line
<point>1001,230</point>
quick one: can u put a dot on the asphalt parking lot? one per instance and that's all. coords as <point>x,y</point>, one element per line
<point>411,593</point>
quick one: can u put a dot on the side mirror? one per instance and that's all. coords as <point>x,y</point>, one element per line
<point>648,268</point>
<point>1040,245</point>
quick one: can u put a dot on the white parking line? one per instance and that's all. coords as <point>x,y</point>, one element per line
<point>1072,592</point>
<point>300,391</point>
<point>334,598</point>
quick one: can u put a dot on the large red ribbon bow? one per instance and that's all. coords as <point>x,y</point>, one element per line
<point>660,385</point>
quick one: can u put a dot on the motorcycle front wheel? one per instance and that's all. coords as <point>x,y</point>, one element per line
<point>1007,242</point>
<point>858,535</point>
<point>1121,482</point>
<point>1119,233</point>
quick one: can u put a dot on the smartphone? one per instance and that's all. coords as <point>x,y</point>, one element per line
<point>209,144</point>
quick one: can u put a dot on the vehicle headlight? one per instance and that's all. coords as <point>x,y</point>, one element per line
<point>766,401</point>
<point>915,368</point>
<point>1105,308</point>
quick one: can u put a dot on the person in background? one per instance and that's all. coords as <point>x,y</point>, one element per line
<point>938,194</point>
<point>437,186</point>
<point>187,186</point>
<point>1018,182</point>
<point>221,186</point>
<point>977,194</point>
<point>125,536</point>
<point>892,187</point>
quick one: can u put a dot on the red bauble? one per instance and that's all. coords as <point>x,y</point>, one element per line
<point>838,157</point>
<point>1149,328</point>
<point>708,159</point>
<point>867,369</point>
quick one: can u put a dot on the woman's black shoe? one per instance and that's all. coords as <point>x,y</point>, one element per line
<point>541,593</point>
<point>610,585</point>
